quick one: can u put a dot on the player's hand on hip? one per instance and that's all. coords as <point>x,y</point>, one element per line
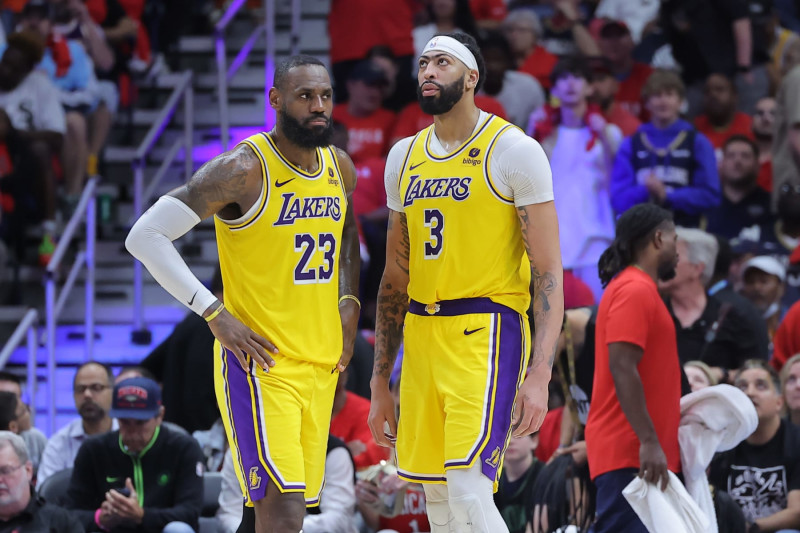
<point>381,414</point>
<point>241,340</point>
<point>531,406</point>
<point>653,464</point>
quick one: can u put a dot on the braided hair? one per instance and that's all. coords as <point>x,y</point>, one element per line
<point>634,228</point>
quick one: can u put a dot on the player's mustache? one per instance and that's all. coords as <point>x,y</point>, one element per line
<point>437,85</point>
<point>317,117</point>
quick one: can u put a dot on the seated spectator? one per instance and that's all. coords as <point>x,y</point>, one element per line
<point>369,125</point>
<point>762,474</point>
<point>786,143</point>
<point>337,503</point>
<point>616,44</point>
<point>786,342</point>
<point>699,374</point>
<point>790,381</point>
<point>720,119</point>
<point>764,278</point>
<point>399,90</point>
<point>763,129</point>
<point>565,32</point>
<point>666,161</point>
<point>581,146</point>
<point>518,93</point>
<point>129,372</point>
<point>522,29</point>
<point>605,88</point>
<point>514,496</point>
<point>35,440</point>
<point>11,410</point>
<point>744,203</point>
<point>91,390</point>
<point>634,15</point>
<point>37,122</point>
<point>446,16</point>
<point>143,477</point>
<point>707,329</point>
<point>21,510</point>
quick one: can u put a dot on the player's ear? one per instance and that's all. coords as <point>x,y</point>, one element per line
<point>472,79</point>
<point>274,98</point>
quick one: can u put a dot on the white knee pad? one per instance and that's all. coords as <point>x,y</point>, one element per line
<point>438,508</point>
<point>472,502</point>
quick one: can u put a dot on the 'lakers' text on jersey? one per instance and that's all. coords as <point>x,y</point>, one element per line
<point>279,260</point>
<point>465,239</point>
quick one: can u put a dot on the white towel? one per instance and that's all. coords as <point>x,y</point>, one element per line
<point>668,511</point>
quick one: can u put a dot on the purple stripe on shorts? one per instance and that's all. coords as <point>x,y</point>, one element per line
<point>421,479</point>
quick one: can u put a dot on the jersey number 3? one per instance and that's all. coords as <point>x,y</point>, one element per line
<point>306,244</point>
<point>434,221</point>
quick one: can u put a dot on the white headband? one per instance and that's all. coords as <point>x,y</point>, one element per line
<point>448,45</point>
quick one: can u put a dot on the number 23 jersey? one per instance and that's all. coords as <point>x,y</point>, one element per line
<point>464,231</point>
<point>280,261</point>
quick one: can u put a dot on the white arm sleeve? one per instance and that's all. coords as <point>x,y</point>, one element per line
<point>150,241</point>
<point>394,163</point>
<point>338,502</point>
<point>521,170</point>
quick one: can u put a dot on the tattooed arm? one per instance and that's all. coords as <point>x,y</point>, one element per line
<point>349,265</point>
<point>539,227</point>
<point>392,308</point>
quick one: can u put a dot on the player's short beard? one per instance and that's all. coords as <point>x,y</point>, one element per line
<point>449,95</point>
<point>305,136</point>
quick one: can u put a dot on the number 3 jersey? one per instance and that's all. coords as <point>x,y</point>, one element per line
<point>280,260</point>
<point>464,231</point>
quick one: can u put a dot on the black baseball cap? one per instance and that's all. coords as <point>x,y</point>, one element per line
<point>137,398</point>
<point>40,7</point>
<point>369,73</point>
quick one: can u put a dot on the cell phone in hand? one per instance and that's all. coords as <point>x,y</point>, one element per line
<point>125,491</point>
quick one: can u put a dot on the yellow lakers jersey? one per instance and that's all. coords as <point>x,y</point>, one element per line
<point>465,237</point>
<point>280,265</point>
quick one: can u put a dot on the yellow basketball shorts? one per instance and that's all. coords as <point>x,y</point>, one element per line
<point>463,363</point>
<point>277,422</point>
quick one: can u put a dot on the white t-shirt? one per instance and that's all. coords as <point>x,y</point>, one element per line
<point>34,105</point>
<point>636,14</point>
<point>519,167</point>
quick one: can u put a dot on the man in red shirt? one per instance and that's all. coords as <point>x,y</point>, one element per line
<point>635,409</point>
<point>616,44</point>
<point>605,88</point>
<point>720,119</point>
<point>368,125</point>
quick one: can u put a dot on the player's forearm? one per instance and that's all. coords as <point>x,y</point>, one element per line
<point>630,392</point>
<point>349,270</point>
<point>392,308</point>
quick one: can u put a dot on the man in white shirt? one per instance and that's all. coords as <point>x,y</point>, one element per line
<point>91,388</point>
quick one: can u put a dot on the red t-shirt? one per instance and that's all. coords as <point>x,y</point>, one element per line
<point>488,9</point>
<point>787,338</point>
<point>629,95</point>
<point>632,311</point>
<point>549,434</point>
<point>742,124</point>
<point>355,26</point>
<point>413,119</point>
<point>368,136</point>
<point>765,175</point>
<point>540,64</point>
<point>576,292</point>
<point>370,194</point>
<point>413,517</point>
<point>351,424</point>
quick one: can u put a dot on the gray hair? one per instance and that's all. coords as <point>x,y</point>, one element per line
<point>702,248</point>
<point>7,438</point>
<point>525,15</point>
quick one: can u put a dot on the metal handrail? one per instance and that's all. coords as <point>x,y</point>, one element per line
<point>25,329</point>
<point>183,90</point>
<point>54,304</point>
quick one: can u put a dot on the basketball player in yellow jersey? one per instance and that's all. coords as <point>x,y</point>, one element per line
<point>288,250</point>
<point>471,223</point>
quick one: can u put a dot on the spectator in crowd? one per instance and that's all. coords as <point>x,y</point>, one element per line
<point>35,440</point>
<point>790,382</point>
<point>37,122</point>
<point>744,203</point>
<point>635,412</point>
<point>764,278</point>
<point>605,88</point>
<point>780,40</point>
<point>580,145</point>
<point>11,410</point>
<point>763,132</point>
<point>514,496</point>
<point>786,342</point>
<point>91,390</point>
<point>368,124</point>
<point>565,32</point>
<point>185,356</point>
<point>707,329</point>
<point>489,14</point>
<point>143,477</point>
<point>786,142</point>
<point>762,474</point>
<point>519,93</point>
<point>128,372</point>
<point>635,15</point>
<point>616,44</point>
<point>395,96</point>
<point>699,374</point>
<point>335,513</point>
<point>720,119</point>
<point>522,28</point>
<point>20,508</point>
<point>666,161</point>
<point>446,16</point>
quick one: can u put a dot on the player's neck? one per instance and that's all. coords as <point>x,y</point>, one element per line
<point>303,158</point>
<point>456,126</point>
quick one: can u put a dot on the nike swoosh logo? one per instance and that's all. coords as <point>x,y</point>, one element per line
<point>282,183</point>
<point>471,331</point>
<point>192,300</point>
<point>412,167</point>
<point>112,479</point>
